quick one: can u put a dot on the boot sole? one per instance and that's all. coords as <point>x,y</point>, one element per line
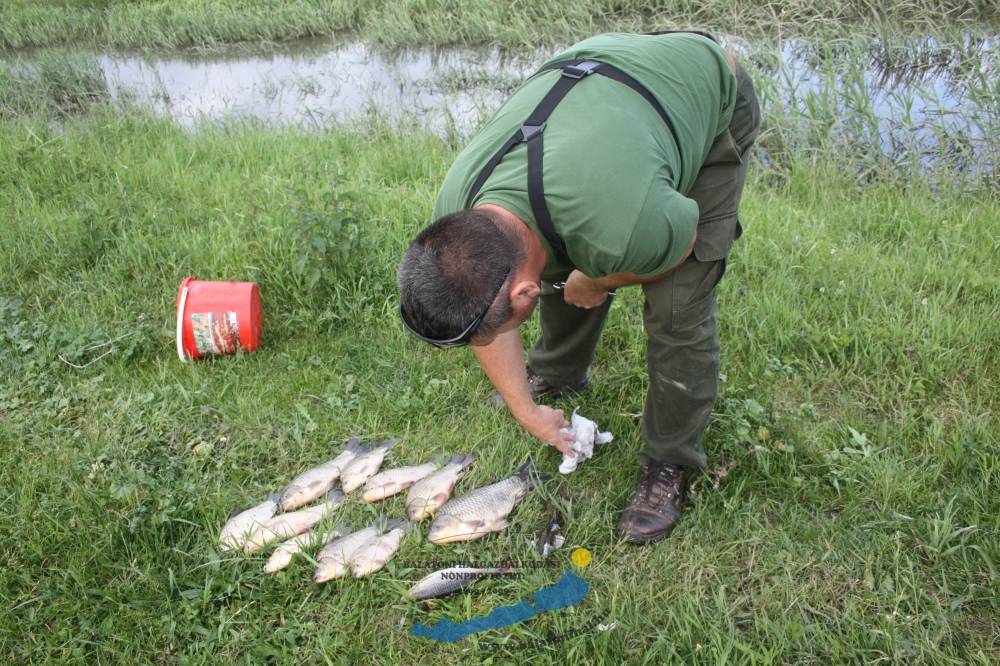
<point>642,541</point>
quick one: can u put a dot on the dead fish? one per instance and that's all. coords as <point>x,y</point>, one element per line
<point>446,581</point>
<point>484,510</point>
<point>373,555</point>
<point>365,464</point>
<point>283,554</point>
<point>391,481</point>
<point>242,523</point>
<point>429,494</point>
<point>335,557</point>
<point>287,525</point>
<point>550,537</point>
<point>314,482</point>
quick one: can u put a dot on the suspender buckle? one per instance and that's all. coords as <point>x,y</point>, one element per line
<point>528,131</point>
<point>581,69</point>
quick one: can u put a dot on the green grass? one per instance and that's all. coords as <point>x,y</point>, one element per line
<point>858,420</point>
<point>57,84</point>
<point>150,23</point>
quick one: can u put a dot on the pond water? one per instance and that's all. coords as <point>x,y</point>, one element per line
<point>317,83</point>
<point>920,99</point>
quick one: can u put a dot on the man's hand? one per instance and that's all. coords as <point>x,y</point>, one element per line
<point>545,423</point>
<point>583,292</point>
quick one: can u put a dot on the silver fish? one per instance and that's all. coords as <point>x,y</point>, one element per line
<point>242,524</point>
<point>447,581</point>
<point>365,464</point>
<point>373,555</point>
<point>430,493</point>
<point>287,525</point>
<point>391,481</point>
<point>283,554</point>
<point>484,510</point>
<point>315,482</point>
<point>335,557</point>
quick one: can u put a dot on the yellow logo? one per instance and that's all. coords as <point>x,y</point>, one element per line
<point>581,557</point>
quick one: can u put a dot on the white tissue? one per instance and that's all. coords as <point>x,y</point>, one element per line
<point>585,436</point>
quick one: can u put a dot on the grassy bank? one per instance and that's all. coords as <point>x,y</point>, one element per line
<point>850,513</point>
<point>151,23</point>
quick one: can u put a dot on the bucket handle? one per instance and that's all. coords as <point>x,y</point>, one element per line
<point>180,324</point>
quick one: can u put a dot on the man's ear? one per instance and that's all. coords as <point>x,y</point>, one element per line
<point>523,294</point>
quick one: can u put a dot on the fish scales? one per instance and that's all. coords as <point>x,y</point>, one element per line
<point>392,481</point>
<point>287,525</point>
<point>318,480</point>
<point>365,465</point>
<point>242,524</point>
<point>334,558</point>
<point>430,493</point>
<point>483,510</point>
<point>373,555</point>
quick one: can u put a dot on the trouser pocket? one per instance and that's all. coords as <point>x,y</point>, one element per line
<point>717,191</point>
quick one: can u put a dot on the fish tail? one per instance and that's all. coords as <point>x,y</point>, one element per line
<point>336,496</point>
<point>355,446</point>
<point>383,524</point>
<point>387,443</point>
<point>391,524</point>
<point>461,460</point>
<point>237,511</point>
<point>529,475</point>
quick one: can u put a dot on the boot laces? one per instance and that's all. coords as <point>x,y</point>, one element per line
<point>660,482</point>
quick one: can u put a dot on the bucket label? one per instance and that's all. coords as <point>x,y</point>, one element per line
<point>215,332</point>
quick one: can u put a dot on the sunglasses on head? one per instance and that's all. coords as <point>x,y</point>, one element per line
<point>462,338</point>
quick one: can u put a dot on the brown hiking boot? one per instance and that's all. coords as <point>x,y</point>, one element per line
<point>656,505</point>
<point>539,388</point>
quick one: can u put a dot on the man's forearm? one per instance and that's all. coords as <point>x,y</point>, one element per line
<point>503,363</point>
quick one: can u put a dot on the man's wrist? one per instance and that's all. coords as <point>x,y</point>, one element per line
<point>523,411</point>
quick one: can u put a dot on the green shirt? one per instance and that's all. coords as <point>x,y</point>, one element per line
<point>614,178</point>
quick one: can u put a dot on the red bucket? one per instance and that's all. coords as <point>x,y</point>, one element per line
<point>217,318</point>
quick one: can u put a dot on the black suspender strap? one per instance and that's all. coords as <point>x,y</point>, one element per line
<point>618,75</point>
<point>530,133</point>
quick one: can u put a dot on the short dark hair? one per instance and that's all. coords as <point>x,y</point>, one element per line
<point>451,271</point>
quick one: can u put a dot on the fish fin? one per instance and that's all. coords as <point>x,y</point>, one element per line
<point>476,528</point>
<point>388,443</point>
<point>336,496</point>
<point>462,460</point>
<point>499,526</point>
<point>529,475</point>
<point>341,529</point>
<point>275,496</point>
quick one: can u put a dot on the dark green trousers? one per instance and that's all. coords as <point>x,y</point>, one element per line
<point>682,350</point>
